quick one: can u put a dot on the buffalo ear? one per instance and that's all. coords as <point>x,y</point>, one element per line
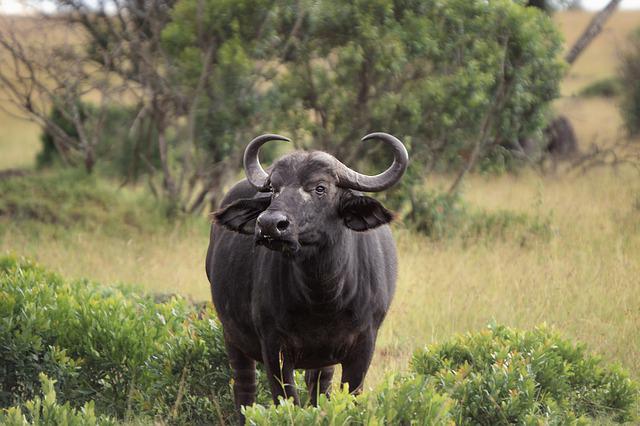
<point>360,212</point>
<point>240,216</point>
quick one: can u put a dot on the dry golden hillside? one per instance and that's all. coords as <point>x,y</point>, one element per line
<point>595,120</point>
<point>600,59</point>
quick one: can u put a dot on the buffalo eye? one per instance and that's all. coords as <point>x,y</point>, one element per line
<point>320,190</point>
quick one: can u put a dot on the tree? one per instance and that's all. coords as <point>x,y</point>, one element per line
<point>221,51</point>
<point>189,70</point>
<point>38,76</point>
<point>452,79</point>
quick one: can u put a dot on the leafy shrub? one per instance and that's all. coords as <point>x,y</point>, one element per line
<point>190,376</point>
<point>399,400</point>
<point>606,88</point>
<point>111,346</point>
<point>440,215</point>
<point>502,376</point>
<point>630,78</point>
<point>45,411</point>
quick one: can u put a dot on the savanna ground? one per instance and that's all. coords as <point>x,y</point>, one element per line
<point>584,279</point>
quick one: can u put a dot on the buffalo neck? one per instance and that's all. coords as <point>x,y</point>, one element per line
<point>324,275</point>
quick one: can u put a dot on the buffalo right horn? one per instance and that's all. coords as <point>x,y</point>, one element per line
<point>252,168</point>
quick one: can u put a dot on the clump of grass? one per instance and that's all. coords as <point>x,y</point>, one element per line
<point>72,199</point>
<point>606,88</point>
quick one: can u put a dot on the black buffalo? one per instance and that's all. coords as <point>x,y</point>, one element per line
<point>302,269</point>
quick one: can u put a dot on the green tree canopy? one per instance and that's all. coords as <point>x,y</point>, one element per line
<point>427,71</point>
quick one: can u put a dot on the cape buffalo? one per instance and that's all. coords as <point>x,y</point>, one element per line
<point>302,268</point>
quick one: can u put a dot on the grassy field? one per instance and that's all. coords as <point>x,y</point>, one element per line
<point>584,279</point>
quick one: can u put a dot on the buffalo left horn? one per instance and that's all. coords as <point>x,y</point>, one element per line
<point>349,178</point>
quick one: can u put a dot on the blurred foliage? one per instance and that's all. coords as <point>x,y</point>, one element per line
<point>630,80</point>
<point>124,152</point>
<point>226,37</point>
<point>606,88</point>
<point>428,72</point>
<point>48,154</point>
<point>218,50</point>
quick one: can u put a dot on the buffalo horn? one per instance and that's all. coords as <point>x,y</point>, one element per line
<point>252,168</point>
<point>349,178</point>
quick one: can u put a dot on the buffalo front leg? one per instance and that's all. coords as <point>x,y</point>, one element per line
<point>355,366</point>
<point>279,367</point>
<point>318,382</point>
<point>244,379</point>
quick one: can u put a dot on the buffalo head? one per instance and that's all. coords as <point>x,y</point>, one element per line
<point>308,198</point>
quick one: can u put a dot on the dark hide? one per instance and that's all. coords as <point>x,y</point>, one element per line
<point>307,284</point>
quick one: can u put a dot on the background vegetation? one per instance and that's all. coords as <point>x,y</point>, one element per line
<point>519,248</point>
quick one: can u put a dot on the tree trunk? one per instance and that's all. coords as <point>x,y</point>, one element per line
<point>89,160</point>
<point>592,30</point>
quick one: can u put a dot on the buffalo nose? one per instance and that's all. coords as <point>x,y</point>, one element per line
<point>273,224</point>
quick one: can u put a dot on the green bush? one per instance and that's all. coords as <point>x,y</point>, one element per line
<point>440,215</point>
<point>190,376</point>
<point>501,376</point>
<point>401,400</point>
<point>48,154</point>
<point>46,411</point>
<point>606,88</point>
<point>111,346</point>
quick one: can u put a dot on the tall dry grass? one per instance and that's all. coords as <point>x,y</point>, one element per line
<point>584,280</point>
